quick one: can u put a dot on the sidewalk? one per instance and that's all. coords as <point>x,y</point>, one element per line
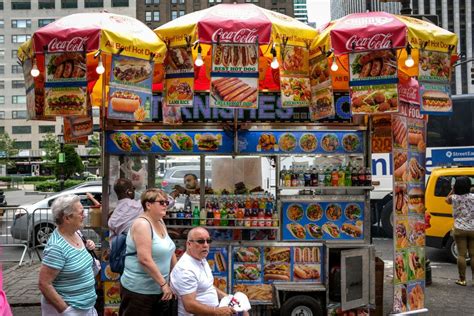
<point>21,284</point>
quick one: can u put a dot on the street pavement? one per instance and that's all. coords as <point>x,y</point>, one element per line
<point>443,296</point>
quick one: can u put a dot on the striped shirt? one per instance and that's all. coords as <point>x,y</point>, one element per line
<point>75,282</point>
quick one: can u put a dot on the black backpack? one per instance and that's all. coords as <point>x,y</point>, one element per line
<point>118,251</point>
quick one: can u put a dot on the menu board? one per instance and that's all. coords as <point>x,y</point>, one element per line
<point>179,82</point>
<point>436,99</point>
<point>294,80</point>
<point>322,220</point>
<point>409,146</point>
<point>314,142</point>
<point>218,262</point>
<point>374,99</point>
<point>130,89</point>
<point>255,268</point>
<point>169,142</point>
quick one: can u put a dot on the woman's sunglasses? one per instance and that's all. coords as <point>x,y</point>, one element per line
<point>162,202</point>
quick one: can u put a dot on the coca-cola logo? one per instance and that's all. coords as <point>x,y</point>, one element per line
<point>240,36</point>
<point>376,41</point>
<point>410,93</point>
<point>73,45</point>
<point>365,21</point>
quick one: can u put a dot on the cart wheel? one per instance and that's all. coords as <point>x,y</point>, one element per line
<point>301,305</point>
<point>387,219</point>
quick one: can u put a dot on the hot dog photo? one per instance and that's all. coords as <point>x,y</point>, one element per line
<point>400,165</point>
<point>235,56</point>
<point>129,105</point>
<point>416,135</point>
<point>66,101</point>
<point>306,272</point>
<point>276,271</point>
<point>399,131</point>
<point>80,126</point>
<point>232,92</point>
<point>278,254</point>
<point>68,66</point>
<point>436,100</point>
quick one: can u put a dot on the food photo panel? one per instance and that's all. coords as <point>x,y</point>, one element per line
<point>372,66</point>
<point>416,135</point>
<point>416,295</point>
<point>435,99</point>
<point>65,67</point>
<point>131,71</point>
<point>434,66</point>
<point>66,101</point>
<point>234,92</point>
<point>374,99</point>
<point>416,230</point>
<point>130,105</point>
<point>322,104</point>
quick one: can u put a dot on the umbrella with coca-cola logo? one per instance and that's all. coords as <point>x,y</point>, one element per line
<point>236,24</point>
<point>369,52</point>
<point>65,60</point>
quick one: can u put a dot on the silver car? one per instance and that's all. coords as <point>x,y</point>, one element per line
<point>35,222</point>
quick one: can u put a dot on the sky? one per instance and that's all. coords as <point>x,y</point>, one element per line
<point>318,11</point>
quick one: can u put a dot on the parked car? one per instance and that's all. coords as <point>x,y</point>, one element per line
<point>40,225</point>
<point>174,176</point>
<point>439,213</point>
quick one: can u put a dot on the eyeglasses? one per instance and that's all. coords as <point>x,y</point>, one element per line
<point>202,241</point>
<point>162,202</point>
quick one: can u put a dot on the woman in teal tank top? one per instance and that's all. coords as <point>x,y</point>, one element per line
<point>145,279</point>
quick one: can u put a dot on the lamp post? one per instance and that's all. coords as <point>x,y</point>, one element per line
<point>61,160</point>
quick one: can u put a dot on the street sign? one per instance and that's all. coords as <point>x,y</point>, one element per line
<point>432,18</point>
<point>460,156</point>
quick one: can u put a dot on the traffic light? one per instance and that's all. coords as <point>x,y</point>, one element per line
<point>472,75</point>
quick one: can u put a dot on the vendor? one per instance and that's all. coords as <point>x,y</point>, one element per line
<point>191,186</point>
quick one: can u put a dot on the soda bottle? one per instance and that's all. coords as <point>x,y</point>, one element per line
<point>314,178</point>
<point>247,220</point>
<point>342,175</point>
<point>217,217</point>
<point>368,177</point>
<point>283,173</point>
<point>240,214</point>
<point>196,216</point>
<point>261,217</point>
<point>188,216</point>
<point>254,213</point>
<point>321,177</point>
<point>232,209</point>
<point>274,218</point>
<point>361,176</point>
<point>334,177</point>
<point>173,215</point>
<point>202,217</point>
<point>354,177</point>
<point>268,217</point>
<point>347,176</point>
<point>294,178</point>
<point>224,216</point>
<point>180,218</point>
<point>327,177</point>
<point>210,217</point>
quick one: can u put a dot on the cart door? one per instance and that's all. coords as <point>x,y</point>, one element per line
<point>354,278</point>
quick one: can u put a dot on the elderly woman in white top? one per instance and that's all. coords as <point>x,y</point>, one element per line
<point>66,277</point>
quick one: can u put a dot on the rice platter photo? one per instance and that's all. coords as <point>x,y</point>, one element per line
<point>350,142</point>
<point>308,142</point>
<point>333,212</point>
<point>295,212</point>
<point>353,211</point>
<point>330,142</point>
<point>287,142</point>
<point>314,212</point>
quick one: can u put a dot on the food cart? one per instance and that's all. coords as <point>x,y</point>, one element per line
<point>295,245</point>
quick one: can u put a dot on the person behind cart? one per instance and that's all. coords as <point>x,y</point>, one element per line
<point>66,277</point>
<point>127,208</point>
<point>463,213</point>
<point>191,186</point>
<point>145,288</point>
<point>192,280</point>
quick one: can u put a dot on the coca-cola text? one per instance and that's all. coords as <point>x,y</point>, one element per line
<point>376,41</point>
<point>73,45</point>
<point>240,36</point>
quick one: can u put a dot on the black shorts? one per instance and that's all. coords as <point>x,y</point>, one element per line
<point>145,304</point>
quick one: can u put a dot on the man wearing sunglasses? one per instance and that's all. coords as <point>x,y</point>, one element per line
<point>192,280</point>
<point>127,208</point>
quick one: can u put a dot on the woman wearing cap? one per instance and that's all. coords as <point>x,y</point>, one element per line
<point>145,288</point>
<point>66,277</point>
<point>463,213</point>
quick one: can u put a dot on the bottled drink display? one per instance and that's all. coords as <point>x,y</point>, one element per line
<point>335,176</point>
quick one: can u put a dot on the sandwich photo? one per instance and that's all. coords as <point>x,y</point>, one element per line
<point>220,262</point>
<point>280,254</point>
<point>124,101</point>
<point>142,141</point>
<point>249,272</point>
<point>80,126</point>
<point>122,141</point>
<point>208,142</point>
<point>306,271</point>
<point>434,100</point>
<point>416,200</point>
<point>276,271</point>
<point>132,70</point>
<point>297,230</point>
<point>416,170</point>
<point>417,265</point>
<point>401,235</point>
<point>179,58</point>
<point>351,230</point>
<point>163,141</point>
<point>247,254</point>
<point>331,229</point>
<point>324,103</point>
<point>66,101</point>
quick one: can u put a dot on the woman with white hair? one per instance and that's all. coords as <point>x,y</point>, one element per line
<point>66,277</point>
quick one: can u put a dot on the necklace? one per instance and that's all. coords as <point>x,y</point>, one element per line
<point>71,240</point>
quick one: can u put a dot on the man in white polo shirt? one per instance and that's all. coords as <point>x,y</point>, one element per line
<point>192,280</point>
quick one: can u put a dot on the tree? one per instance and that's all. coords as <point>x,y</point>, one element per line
<point>72,163</point>
<point>52,147</point>
<point>7,149</point>
<point>96,150</point>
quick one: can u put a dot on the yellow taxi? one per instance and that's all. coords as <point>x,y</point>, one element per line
<point>439,213</point>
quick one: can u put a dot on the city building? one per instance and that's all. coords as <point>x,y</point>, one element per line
<point>454,15</point>
<point>18,21</point>
<point>158,12</point>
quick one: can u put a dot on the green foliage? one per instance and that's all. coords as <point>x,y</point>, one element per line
<point>7,149</point>
<point>28,179</point>
<point>50,186</point>
<point>96,150</point>
<point>72,164</point>
<point>51,148</point>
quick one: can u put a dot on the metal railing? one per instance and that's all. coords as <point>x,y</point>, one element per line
<point>19,238</point>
